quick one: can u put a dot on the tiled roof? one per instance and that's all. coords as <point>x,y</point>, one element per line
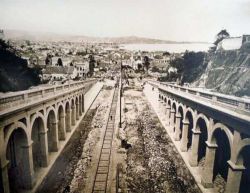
<point>58,70</point>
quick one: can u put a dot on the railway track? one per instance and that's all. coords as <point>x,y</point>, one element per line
<point>102,172</point>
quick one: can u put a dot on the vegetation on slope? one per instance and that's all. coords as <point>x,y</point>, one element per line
<point>189,67</point>
<point>14,73</point>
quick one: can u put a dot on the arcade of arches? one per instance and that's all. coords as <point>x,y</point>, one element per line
<point>29,140</point>
<point>214,147</point>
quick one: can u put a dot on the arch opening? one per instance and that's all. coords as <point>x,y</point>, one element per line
<point>1,183</point>
<point>174,108</point>
<point>189,119</point>
<point>202,127</point>
<point>80,105</point>
<point>61,123</point>
<point>222,155</point>
<point>180,110</point>
<point>17,155</point>
<point>83,104</point>
<point>245,178</point>
<point>77,108</point>
<point>67,117</point>
<point>37,146</point>
<point>52,132</point>
<point>73,112</point>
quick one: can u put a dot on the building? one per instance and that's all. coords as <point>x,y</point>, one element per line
<point>234,43</point>
<point>82,69</point>
<point>58,73</point>
<point>1,34</point>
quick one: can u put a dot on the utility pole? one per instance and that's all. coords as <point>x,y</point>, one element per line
<point>120,123</point>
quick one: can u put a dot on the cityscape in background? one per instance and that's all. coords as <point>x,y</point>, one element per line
<point>123,96</point>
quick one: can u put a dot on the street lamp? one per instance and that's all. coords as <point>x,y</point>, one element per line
<point>120,123</point>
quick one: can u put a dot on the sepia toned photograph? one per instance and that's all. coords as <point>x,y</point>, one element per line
<point>125,96</point>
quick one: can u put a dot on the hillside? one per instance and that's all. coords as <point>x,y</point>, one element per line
<point>228,72</point>
<point>14,73</point>
<point>47,36</point>
<point>225,71</point>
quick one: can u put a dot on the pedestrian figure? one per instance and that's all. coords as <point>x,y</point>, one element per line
<point>110,117</point>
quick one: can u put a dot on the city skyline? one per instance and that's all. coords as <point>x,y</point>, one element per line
<point>163,19</point>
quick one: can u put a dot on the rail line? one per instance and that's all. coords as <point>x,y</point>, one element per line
<point>102,171</point>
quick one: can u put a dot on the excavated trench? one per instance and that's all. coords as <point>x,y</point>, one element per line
<point>153,164</point>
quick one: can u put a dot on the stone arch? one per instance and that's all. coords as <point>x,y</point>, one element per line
<point>52,126</point>
<point>10,129</point>
<point>77,107</point>
<point>174,106</point>
<point>180,112</point>
<point>35,116</point>
<point>243,158</point>
<point>73,111</point>
<point>39,138</point>
<point>222,137</point>
<point>188,109</point>
<point>188,120</point>
<point>172,121</point>
<point>83,103</point>
<point>61,122</point>
<point>16,150</point>
<point>80,105</point>
<point>220,126</point>
<point>68,116</point>
<point>243,144</point>
<point>201,126</point>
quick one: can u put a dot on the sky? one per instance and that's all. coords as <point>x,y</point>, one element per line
<point>179,20</point>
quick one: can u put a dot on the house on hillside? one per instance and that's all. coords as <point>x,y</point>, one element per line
<point>58,73</point>
<point>82,69</point>
<point>234,43</point>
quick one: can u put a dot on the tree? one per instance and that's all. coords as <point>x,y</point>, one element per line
<point>59,62</point>
<point>220,36</point>
<point>48,60</point>
<point>155,69</point>
<point>91,64</point>
<point>146,62</point>
<point>166,53</point>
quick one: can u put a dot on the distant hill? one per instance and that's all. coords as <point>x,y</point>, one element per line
<point>46,36</point>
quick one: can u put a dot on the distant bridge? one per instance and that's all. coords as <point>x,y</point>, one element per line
<point>35,126</point>
<point>211,131</point>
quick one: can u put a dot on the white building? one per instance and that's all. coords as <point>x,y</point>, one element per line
<point>82,69</point>
<point>233,43</point>
<point>58,73</point>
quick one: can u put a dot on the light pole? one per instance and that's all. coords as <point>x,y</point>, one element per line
<point>120,123</point>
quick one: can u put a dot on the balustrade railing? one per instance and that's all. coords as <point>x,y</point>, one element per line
<point>21,97</point>
<point>233,101</point>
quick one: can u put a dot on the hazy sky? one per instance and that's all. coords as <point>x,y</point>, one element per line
<point>190,20</point>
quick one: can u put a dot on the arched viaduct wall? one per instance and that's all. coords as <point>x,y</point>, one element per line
<point>32,130</point>
<point>216,138</point>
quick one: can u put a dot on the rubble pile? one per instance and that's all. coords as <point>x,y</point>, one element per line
<point>77,182</point>
<point>99,118</point>
<point>219,184</point>
<point>154,164</point>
